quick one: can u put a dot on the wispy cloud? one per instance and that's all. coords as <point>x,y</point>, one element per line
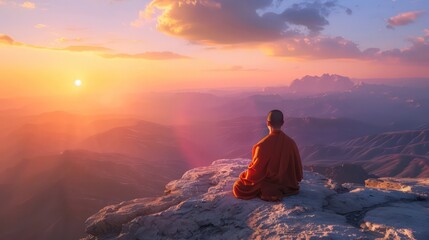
<point>98,50</point>
<point>147,55</point>
<point>86,48</point>
<point>40,25</point>
<point>403,19</point>
<point>28,5</point>
<point>235,68</point>
<point>67,40</point>
<point>315,48</point>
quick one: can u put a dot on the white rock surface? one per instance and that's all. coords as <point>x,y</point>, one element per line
<point>200,205</point>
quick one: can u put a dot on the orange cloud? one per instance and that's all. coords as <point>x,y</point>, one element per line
<point>66,40</point>
<point>403,19</point>
<point>39,26</point>
<point>230,24</point>
<point>235,68</point>
<point>28,5</point>
<point>236,22</point>
<point>147,55</point>
<point>5,39</point>
<point>83,48</point>
<point>294,32</point>
<point>99,50</point>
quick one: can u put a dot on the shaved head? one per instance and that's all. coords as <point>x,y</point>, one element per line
<point>275,118</point>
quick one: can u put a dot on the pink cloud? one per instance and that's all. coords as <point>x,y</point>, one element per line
<point>417,53</point>
<point>403,19</point>
<point>327,48</point>
<point>315,48</point>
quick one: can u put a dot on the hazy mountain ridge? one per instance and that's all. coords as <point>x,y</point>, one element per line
<point>61,191</point>
<point>321,84</point>
<point>393,154</point>
<point>413,142</point>
<point>52,132</point>
<point>201,205</point>
<point>235,137</point>
<point>383,105</point>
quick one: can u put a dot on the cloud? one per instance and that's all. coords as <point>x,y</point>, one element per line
<point>5,39</point>
<point>83,48</point>
<point>315,48</point>
<point>349,11</point>
<point>143,15</point>
<point>235,68</point>
<point>294,31</point>
<point>98,50</point>
<point>313,15</point>
<point>28,5</point>
<point>337,47</point>
<point>403,19</point>
<point>66,40</point>
<point>220,21</point>
<point>147,55</point>
<point>235,22</point>
<point>39,26</point>
<point>417,53</point>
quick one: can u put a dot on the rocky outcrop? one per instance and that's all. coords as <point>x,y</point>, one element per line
<point>200,205</point>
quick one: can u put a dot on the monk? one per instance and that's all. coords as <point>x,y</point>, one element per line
<point>276,168</point>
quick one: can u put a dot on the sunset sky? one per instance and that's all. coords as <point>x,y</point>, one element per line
<point>137,45</point>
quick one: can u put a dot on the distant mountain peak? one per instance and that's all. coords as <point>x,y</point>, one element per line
<point>322,84</point>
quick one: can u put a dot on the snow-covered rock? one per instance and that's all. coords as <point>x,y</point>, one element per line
<point>200,205</point>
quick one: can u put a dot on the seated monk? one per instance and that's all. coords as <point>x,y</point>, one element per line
<point>276,168</point>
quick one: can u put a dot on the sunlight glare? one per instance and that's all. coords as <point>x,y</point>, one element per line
<point>78,83</point>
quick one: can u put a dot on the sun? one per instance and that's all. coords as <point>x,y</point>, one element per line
<point>78,83</point>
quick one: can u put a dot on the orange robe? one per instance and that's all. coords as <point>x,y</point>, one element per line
<point>275,170</point>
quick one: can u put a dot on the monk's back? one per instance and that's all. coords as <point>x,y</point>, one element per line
<point>284,164</point>
<point>275,170</point>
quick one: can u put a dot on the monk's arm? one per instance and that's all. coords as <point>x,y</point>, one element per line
<point>257,169</point>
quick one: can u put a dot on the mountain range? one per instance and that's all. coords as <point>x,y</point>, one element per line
<point>390,154</point>
<point>59,167</point>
